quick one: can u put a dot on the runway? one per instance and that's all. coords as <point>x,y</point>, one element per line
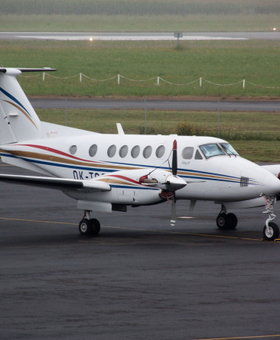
<point>139,279</point>
<point>138,36</point>
<point>151,104</point>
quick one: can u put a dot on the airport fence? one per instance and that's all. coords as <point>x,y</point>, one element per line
<point>157,80</point>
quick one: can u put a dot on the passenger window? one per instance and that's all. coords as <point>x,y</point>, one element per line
<point>135,151</point>
<point>92,150</point>
<point>73,149</point>
<point>198,155</point>
<point>187,152</point>
<point>160,151</point>
<point>147,151</point>
<point>112,150</point>
<point>123,151</point>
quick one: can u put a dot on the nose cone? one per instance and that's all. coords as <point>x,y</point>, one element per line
<point>271,185</point>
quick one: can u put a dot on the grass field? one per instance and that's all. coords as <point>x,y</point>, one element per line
<point>132,23</point>
<point>139,15</point>
<point>255,135</point>
<point>221,62</point>
<point>139,7</point>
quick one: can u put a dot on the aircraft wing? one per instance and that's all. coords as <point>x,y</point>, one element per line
<point>274,169</point>
<point>55,183</point>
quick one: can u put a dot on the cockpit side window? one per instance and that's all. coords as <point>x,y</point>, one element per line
<point>198,155</point>
<point>211,150</point>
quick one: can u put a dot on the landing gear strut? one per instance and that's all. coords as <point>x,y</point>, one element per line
<point>270,230</point>
<point>226,221</point>
<point>89,226</point>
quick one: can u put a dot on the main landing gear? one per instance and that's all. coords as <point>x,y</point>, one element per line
<point>89,226</point>
<point>226,221</point>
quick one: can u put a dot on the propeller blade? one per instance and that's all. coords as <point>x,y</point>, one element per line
<point>174,158</point>
<point>173,211</point>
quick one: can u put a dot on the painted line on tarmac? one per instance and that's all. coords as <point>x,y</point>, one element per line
<point>188,234</point>
<point>35,221</point>
<point>244,337</point>
<point>140,229</point>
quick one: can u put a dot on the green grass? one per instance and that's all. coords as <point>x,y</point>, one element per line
<point>139,7</point>
<point>132,23</point>
<point>222,62</point>
<point>139,15</point>
<point>255,135</point>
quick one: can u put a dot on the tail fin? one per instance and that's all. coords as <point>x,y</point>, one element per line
<point>18,120</point>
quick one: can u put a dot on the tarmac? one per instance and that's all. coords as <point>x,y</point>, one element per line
<point>139,279</point>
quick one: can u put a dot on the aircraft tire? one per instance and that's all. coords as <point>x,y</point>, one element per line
<point>226,221</point>
<point>94,226</point>
<point>84,227</point>
<point>272,233</point>
<point>231,221</point>
<point>221,221</point>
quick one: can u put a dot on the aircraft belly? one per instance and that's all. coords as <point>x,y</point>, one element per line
<point>209,192</point>
<point>128,196</point>
<point>87,195</point>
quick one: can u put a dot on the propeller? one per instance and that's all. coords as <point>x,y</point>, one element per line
<point>170,184</point>
<point>174,158</point>
<point>174,173</point>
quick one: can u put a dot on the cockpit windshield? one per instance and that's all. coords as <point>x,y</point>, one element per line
<point>213,149</point>
<point>229,149</point>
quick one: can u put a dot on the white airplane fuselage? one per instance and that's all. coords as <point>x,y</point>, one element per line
<point>222,178</point>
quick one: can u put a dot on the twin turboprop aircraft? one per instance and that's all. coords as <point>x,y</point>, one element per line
<point>110,172</point>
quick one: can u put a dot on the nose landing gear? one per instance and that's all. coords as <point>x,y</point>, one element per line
<point>270,230</point>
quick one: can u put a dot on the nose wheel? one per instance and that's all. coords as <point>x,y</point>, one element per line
<point>271,232</point>
<point>271,229</point>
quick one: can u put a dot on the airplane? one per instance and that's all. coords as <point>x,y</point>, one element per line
<point>110,172</point>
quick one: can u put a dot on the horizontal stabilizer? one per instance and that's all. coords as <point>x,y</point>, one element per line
<point>55,183</point>
<point>44,69</point>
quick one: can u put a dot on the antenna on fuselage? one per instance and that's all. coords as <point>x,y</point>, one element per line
<point>120,129</point>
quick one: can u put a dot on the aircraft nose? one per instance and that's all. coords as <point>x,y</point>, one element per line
<point>271,185</point>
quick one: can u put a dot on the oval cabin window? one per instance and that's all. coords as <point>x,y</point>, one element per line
<point>123,151</point>
<point>135,151</point>
<point>92,150</point>
<point>73,149</point>
<point>112,150</point>
<point>160,151</point>
<point>147,151</point>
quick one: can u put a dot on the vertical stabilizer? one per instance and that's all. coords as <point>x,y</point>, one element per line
<point>18,120</point>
